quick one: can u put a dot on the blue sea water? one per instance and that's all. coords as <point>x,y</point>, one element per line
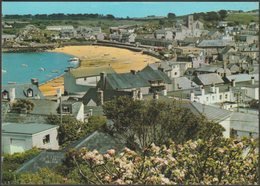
<point>21,67</point>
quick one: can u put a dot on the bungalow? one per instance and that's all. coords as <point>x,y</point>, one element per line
<point>17,137</point>
<point>80,80</point>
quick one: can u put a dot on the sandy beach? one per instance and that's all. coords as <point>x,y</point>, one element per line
<point>121,60</point>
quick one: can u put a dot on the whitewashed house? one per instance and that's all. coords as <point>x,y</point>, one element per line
<point>17,137</point>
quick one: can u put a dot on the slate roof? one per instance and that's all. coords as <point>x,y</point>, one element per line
<point>49,158</point>
<point>214,43</point>
<point>208,79</point>
<point>184,83</point>
<point>242,77</point>
<point>140,79</point>
<point>46,159</point>
<point>166,65</point>
<point>21,90</point>
<point>90,71</point>
<point>47,107</point>
<point>212,113</point>
<point>29,128</point>
<point>244,122</point>
<point>207,68</point>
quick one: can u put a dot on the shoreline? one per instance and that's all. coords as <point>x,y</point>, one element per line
<point>121,60</point>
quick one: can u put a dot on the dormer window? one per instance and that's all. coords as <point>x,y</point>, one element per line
<point>65,109</point>
<point>5,95</point>
<point>29,92</point>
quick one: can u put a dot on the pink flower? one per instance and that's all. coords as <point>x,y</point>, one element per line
<point>111,152</point>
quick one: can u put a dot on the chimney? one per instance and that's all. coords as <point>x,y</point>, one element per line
<point>161,69</point>
<point>233,83</point>
<point>103,80</point>
<point>100,97</point>
<point>12,94</point>
<point>140,95</point>
<point>134,94</point>
<point>35,81</point>
<point>164,92</point>
<point>202,90</point>
<point>133,71</point>
<point>225,68</point>
<point>58,91</point>
<point>217,90</point>
<point>252,80</point>
<point>155,96</point>
<point>192,96</point>
<point>213,88</point>
<point>90,112</point>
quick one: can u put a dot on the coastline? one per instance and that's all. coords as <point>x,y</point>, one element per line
<point>121,60</point>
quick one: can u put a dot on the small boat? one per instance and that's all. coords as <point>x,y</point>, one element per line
<point>55,71</point>
<point>74,59</point>
<point>24,65</point>
<point>4,71</point>
<point>42,69</point>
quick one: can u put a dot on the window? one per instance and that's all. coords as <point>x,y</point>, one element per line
<point>212,98</point>
<point>220,97</point>
<point>65,109</point>
<point>207,98</point>
<point>30,92</point>
<point>5,95</point>
<point>175,73</point>
<point>226,96</point>
<point>46,139</point>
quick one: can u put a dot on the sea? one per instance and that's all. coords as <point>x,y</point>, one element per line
<point>22,67</point>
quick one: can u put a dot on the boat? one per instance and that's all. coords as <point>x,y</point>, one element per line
<point>55,71</point>
<point>74,59</point>
<point>42,69</point>
<point>4,71</point>
<point>24,65</point>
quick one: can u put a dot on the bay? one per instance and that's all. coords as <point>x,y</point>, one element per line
<point>21,67</point>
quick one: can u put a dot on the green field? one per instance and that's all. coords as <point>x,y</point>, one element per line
<point>242,18</point>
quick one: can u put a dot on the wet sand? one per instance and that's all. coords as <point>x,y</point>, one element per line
<point>121,60</point>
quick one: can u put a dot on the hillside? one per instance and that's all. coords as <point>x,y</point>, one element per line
<point>242,18</point>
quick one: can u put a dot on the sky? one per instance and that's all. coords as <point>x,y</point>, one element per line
<point>123,9</point>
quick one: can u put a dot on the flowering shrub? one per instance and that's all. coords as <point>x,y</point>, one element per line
<point>221,161</point>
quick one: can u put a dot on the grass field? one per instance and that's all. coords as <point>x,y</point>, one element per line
<point>242,18</point>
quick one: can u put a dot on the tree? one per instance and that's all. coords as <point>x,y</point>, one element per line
<point>43,176</point>
<point>221,161</point>
<point>23,104</point>
<point>72,129</point>
<point>171,15</point>
<point>222,14</point>
<point>146,122</point>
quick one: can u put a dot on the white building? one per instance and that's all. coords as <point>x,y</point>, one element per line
<point>19,137</point>
<point>59,28</point>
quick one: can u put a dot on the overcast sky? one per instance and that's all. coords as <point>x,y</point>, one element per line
<point>123,9</point>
